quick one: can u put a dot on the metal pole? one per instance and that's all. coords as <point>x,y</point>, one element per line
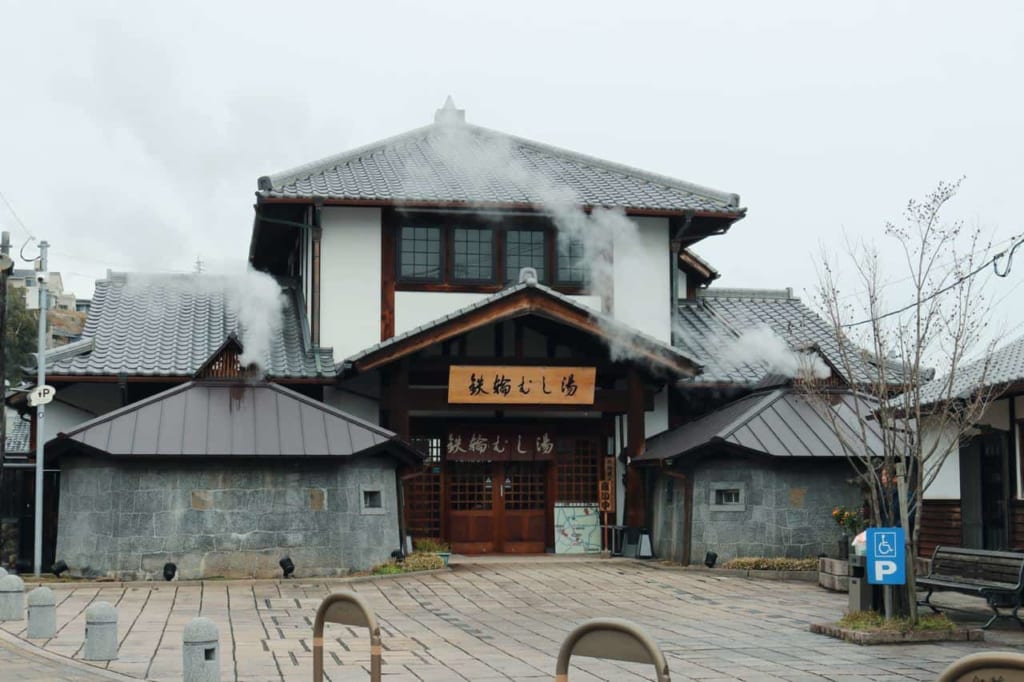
<point>40,409</point>
<point>5,250</point>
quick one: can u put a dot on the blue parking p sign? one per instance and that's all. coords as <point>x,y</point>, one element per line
<point>887,558</point>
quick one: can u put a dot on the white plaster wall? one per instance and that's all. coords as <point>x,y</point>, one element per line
<point>354,402</point>
<point>997,414</point>
<point>416,308</point>
<point>350,279</point>
<point>641,278</point>
<point>61,418</point>
<point>946,485</point>
<point>656,421</point>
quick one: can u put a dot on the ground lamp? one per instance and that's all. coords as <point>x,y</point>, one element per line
<point>169,571</point>
<point>710,558</point>
<point>287,566</point>
<point>59,568</point>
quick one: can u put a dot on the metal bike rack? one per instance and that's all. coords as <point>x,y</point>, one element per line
<point>345,608</point>
<point>614,639</point>
<point>994,665</point>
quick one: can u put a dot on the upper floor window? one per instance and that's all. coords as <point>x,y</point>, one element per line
<point>420,253</point>
<point>525,249</point>
<point>473,259</point>
<point>571,265</point>
<point>461,252</point>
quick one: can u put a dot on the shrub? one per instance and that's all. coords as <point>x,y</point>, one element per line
<point>872,621</point>
<point>390,568</point>
<point>771,564</point>
<point>421,561</point>
<point>430,545</point>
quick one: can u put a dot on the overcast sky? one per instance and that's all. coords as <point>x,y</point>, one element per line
<point>133,132</point>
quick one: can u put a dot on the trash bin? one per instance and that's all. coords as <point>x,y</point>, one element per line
<point>860,590</point>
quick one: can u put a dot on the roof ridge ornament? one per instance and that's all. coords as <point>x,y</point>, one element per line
<point>449,114</point>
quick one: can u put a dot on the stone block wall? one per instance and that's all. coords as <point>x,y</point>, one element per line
<point>785,509</point>
<point>225,518</point>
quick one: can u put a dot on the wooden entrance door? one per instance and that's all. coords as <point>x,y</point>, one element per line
<point>497,507</point>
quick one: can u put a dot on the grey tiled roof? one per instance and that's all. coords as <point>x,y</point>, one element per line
<point>169,325</point>
<point>779,423</point>
<point>489,167</point>
<point>706,326</point>
<point>225,419</point>
<point>19,435</point>
<point>606,322</point>
<point>1003,366</point>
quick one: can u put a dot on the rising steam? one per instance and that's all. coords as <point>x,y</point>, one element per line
<point>492,167</point>
<point>762,345</point>
<point>253,302</point>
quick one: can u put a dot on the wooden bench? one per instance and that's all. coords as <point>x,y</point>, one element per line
<point>998,577</point>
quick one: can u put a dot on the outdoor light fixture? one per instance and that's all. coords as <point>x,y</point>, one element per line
<point>709,559</point>
<point>287,566</point>
<point>169,571</point>
<point>58,568</point>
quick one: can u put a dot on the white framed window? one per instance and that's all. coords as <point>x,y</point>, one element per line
<point>371,499</point>
<point>727,496</point>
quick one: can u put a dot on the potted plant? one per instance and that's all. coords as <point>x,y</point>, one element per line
<point>851,521</point>
<point>432,546</point>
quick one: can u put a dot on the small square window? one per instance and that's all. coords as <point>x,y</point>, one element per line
<point>727,496</point>
<point>371,499</point>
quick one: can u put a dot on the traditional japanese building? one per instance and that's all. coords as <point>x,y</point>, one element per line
<point>525,317</point>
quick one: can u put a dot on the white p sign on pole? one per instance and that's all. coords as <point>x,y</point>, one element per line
<point>41,395</point>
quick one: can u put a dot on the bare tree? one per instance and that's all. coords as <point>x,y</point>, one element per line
<point>920,396</point>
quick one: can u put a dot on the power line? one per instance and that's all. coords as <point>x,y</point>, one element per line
<point>994,262</point>
<point>14,213</point>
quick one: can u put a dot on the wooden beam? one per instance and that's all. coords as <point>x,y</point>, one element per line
<point>388,253</point>
<point>635,444</point>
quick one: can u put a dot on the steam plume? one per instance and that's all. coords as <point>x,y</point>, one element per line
<point>762,345</point>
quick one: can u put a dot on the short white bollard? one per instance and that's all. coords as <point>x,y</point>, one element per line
<point>3,571</point>
<point>100,632</point>
<point>12,598</point>
<point>200,651</point>
<point>42,613</point>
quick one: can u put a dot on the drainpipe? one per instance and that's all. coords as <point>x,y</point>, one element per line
<point>314,304</point>
<point>676,248</point>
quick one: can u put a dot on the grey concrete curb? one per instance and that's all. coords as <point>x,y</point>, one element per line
<point>22,645</point>
<point>803,576</point>
<point>149,584</point>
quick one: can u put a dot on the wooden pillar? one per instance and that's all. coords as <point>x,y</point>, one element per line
<point>398,390</point>
<point>635,444</point>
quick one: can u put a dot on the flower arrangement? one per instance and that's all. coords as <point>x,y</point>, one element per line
<point>850,520</point>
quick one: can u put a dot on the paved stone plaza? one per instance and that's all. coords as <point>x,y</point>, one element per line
<point>487,620</point>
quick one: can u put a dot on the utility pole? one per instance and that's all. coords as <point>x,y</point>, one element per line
<point>41,276</point>
<point>6,265</point>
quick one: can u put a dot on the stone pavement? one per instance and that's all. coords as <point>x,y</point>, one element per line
<point>494,620</point>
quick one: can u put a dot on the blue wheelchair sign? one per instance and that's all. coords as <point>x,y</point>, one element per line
<point>887,559</point>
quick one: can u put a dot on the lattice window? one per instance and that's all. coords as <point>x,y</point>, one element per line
<point>423,493</point>
<point>572,266</point>
<point>579,470</point>
<point>524,249</point>
<point>420,254</point>
<point>474,259</point>
<point>470,486</point>
<point>525,486</point>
